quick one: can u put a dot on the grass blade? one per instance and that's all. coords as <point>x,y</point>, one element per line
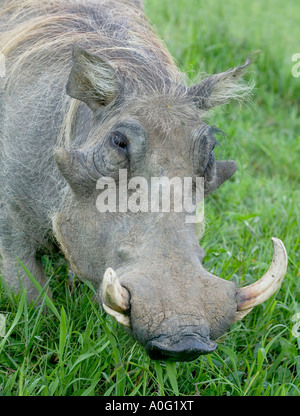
<point>171,371</point>
<point>15,321</point>
<point>41,291</point>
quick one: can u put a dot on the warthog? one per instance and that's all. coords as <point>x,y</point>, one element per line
<point>90,91</point>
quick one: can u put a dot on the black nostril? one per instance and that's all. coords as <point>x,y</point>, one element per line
<point>187,349</point>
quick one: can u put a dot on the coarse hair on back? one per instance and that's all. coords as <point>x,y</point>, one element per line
<point>117,30</point>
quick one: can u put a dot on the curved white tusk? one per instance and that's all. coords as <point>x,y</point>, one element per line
<point>240,314</point>
<point>258,292</point>
<point>115,296</point>
<point>122,319</point>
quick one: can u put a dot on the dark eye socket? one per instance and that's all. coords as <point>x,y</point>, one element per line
<point>211,157</point>
<point>119,140</point>
<point>210,161</point>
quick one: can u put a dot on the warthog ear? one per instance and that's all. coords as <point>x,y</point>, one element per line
<point>92,80</point>
<point>219,88</point>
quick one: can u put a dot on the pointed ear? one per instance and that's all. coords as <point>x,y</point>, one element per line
<point>219,88</point>
<point>92,80</point>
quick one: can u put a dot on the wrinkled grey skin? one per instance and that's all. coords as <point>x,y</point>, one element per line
<point>48,195</point>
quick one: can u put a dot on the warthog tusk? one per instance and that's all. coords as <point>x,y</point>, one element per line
<point>122,319</point>
<point>264,288</point>
<point>116,297</point>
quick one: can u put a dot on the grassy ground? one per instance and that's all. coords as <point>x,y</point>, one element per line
<point>75,349</point>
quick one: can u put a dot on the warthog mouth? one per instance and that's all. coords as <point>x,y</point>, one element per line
<point>187,345</point>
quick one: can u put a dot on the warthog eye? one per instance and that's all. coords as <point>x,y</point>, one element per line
<point>210,160</point>
<point>119,140</point>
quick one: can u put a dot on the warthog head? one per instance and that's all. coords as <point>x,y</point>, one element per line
<point>148,265</point>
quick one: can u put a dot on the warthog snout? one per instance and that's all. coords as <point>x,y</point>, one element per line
<point>178,316</point>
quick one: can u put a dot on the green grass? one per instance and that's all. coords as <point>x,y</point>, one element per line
<point>75,349</point>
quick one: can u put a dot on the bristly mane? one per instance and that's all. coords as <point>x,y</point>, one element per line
<point>35,32</point>
<point>116,30</point>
